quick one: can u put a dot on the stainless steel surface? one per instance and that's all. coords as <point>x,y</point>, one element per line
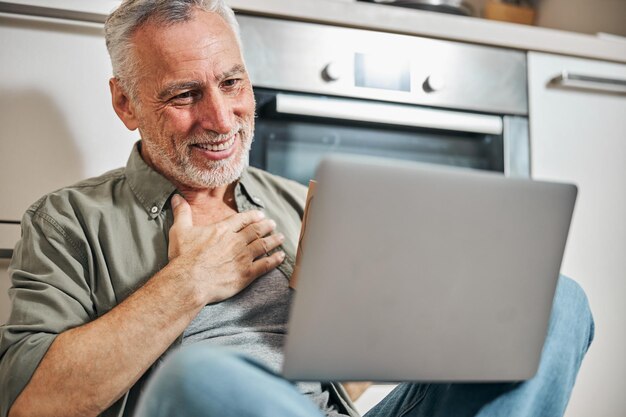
<point>587,82</point>
<point>516,145</point>
<point>296,56</point>
<point>458,7</point>
<point>388,113</point>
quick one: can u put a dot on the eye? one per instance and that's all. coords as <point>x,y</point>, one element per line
<point>231,82</point>
<point>185,97</point>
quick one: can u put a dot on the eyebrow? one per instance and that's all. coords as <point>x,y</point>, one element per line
<point>236,69</point>
<point>176,86</point>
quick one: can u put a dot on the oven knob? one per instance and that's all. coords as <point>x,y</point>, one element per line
<point>332,72</point>
<point>433,83</point>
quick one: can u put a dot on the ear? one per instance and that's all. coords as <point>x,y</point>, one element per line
<point>123,105</point>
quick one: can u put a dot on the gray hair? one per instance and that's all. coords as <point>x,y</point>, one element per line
<point>124,21</point>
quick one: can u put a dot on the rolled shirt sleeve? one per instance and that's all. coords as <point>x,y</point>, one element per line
<point>50,294</point>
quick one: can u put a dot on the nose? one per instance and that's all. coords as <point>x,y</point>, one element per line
<point>216,114</point>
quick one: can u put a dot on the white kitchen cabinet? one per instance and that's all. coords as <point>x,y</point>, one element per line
<point>579,136</point>
<point>5,284</point>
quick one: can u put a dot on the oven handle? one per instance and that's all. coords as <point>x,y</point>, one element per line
<point>387,113</point>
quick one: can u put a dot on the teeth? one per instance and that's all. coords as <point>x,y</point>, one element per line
<point>220,147</point>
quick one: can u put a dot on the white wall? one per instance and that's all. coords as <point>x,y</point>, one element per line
<point>5,304</point>
<point>57,125</point>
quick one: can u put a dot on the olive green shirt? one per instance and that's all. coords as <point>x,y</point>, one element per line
<point>87,247</point>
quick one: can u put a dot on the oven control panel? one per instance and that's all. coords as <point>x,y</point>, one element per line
<point>321,59</point>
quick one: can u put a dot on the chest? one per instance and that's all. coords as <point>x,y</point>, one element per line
<point>261,308</point>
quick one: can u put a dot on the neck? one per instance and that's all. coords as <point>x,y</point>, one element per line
<point>212,205</point>
<point>209,197</point>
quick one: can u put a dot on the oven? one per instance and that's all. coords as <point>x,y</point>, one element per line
<point>323,89</point>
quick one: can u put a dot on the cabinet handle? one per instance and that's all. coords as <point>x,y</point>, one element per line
<point>587,82</point>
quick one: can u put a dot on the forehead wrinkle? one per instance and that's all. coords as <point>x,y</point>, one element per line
<point>177,49</point>
<point>178,58</point>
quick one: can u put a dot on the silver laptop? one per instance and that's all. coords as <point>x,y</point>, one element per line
<point>415,272</point>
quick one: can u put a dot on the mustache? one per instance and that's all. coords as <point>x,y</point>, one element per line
<point>210,137</point>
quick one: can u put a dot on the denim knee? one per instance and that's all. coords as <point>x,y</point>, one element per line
<point>187,375</point>
<point>201,365</point>
<point>571,313</point>
<point>211,359</point>
<point>201,380</point>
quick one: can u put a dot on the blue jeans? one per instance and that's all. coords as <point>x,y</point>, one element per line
<point>204,381</point>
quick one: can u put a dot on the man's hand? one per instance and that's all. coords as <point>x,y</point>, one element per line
<point>223,258</point>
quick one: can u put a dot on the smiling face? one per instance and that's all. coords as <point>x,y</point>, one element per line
<point>196,106</point>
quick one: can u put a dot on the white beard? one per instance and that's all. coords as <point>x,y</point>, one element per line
<point>212,174</point>
<point>220,173</point>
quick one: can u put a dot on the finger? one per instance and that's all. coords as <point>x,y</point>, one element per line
<point>265,245</point>
<point>182,212</point>
<point>265,264</point>
<point>258,230</point>
<point>238,221</point>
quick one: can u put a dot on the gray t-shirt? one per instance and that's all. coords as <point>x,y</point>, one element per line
<point>255,323</point>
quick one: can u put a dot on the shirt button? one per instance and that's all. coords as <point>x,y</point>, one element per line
<point>154,210</point>
<point>256,200</point>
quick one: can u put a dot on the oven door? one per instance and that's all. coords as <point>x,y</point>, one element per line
<point>294,131</point>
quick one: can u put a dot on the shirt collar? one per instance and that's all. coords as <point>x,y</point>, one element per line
<point>153,190</point>
<point>250,188</point>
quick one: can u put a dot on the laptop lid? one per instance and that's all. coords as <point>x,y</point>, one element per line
<point>415,272</point>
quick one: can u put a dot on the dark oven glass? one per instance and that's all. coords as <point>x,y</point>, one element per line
<point>292,146</point>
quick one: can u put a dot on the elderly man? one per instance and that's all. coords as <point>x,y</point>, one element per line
<point>186,245</point>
